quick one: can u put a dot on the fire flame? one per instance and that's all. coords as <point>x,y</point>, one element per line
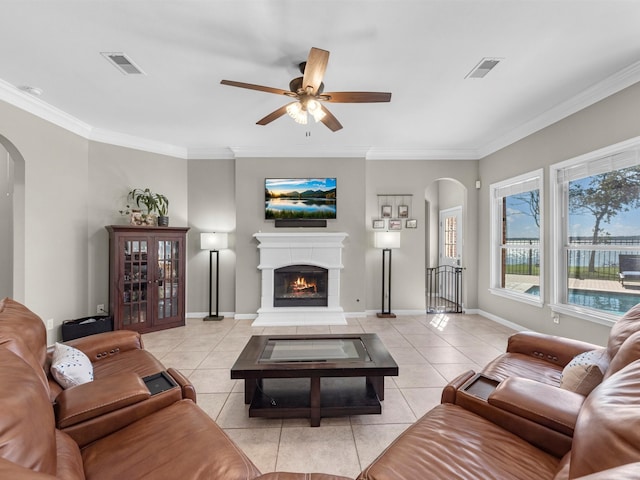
<point>301,284</point>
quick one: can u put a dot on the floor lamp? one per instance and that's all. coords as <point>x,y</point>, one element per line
<point>214,242</point>
<point>386,241</point>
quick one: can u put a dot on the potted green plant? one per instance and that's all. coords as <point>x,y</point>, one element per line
<point>153,202</point>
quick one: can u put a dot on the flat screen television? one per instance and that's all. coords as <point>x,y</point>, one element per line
<point>300,198</point>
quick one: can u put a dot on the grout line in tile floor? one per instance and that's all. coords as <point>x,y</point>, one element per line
<point>205,351</point>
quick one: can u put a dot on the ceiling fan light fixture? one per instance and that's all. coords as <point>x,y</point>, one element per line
<point>315,109</point>
<point>297,112</point>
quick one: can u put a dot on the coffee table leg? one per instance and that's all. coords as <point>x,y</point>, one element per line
<point>314,401</point>
<point>378,386</point>
<point>250,385</point>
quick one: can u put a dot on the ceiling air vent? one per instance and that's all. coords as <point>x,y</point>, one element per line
<point>483,67</point>
<point>122,63</point>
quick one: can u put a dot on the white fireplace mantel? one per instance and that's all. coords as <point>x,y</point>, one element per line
<point>322,249</point>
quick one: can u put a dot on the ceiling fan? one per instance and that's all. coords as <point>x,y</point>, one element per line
<point>308,92</point>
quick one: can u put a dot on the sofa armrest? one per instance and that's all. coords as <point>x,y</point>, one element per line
<point>93,399</point>
<point>94,428</point>
<point>103,345</point>
<point>544,404</point>
<point>450,390</point>
<point>187,388</point>
<point>558,350</point>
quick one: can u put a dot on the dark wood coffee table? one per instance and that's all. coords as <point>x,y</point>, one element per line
<point>315,376</point>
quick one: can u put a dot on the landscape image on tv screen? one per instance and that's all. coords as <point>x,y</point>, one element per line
<point>300,198</point>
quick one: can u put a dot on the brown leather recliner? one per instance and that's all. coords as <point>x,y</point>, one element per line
<point>453,443</point>
<point>110,353</point>
<point>542,358</point>
<point>111,428</point>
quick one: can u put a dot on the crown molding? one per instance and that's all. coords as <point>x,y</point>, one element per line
<point>300,151</point>
<point>591,95</point>
<point>35,106</point>
<point>378,153</point>
<point>137,143</point>
<point>206,153</point>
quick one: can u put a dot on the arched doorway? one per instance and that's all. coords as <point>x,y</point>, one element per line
<point>12,257</point>
<point>445,214</point>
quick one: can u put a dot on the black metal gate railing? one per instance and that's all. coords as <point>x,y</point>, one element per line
<point>444,289</point>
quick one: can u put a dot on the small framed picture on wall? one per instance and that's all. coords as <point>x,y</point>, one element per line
<point>385,211</point>
<point>378,224</point>
<point>403,211</point>
<point>411,223</point>
<point>395,224</point>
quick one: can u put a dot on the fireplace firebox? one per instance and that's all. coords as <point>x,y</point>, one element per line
<point>300,286</point>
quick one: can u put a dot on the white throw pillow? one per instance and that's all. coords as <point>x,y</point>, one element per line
<point>585,371</point>
<point>70,366</point>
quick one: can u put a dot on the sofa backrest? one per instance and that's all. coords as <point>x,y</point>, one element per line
<point>607,432</point>
<point>628,352</point>
<point>27,422</point>
<point>623,329</point>
<point>23,332</point>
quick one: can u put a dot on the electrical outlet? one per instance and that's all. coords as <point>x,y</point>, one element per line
<point>556,318</point>
<point>50,324</point>
<point>100,308</point>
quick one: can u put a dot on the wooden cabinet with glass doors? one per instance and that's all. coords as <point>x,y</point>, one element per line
<point>146,277</point>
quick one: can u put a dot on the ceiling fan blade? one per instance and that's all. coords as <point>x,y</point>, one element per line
<point>314,69</point>
<point>262,88</point>
<point>357,97</point>
<point>273,115</point>
<point>330,121</point>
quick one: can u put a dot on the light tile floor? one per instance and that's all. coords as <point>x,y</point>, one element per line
<point>429,349</point>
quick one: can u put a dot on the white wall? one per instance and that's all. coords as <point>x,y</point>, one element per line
<point>409,262</point>
<point>211,190</point>
<point>6,219</point>
<point>607,122</point>
<point>55,215</point>
<point>249,187</point>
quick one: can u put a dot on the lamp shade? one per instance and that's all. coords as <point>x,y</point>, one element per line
<point>387,240</point>
<point>214,241</point>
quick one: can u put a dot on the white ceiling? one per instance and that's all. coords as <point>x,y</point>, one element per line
<point>558,56</point>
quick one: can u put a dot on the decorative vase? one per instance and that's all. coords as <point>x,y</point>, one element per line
<point>163,221</point>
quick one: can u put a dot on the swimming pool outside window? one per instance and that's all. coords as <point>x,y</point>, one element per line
<point>596,208</point>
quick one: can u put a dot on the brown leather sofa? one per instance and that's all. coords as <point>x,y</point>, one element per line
<point>454,443</point>
<point>111,427</point>
<point>543,357</point>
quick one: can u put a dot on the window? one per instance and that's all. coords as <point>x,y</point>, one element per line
<point>516,224</point>
<point>596,207</point>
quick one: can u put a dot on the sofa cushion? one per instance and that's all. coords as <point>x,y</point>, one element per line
<point>180,441</point>
<point>585,371</point>
<point>607,432</point>
<point>453,443</point>
<point>70,367</point>
<point>521,365</point>
<point>628,352</point>
<point>27,428</point>
<point>623,328</point>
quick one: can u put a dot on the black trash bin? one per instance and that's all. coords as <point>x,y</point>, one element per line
<point>83,327</point>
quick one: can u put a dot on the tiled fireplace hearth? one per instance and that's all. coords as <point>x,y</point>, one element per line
<point>306,252</point>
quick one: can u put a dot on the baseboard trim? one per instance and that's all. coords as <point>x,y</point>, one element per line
<point>501,321</point>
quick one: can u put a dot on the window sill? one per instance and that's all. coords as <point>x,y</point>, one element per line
<point>518,297</point>
<point>588,314</point>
